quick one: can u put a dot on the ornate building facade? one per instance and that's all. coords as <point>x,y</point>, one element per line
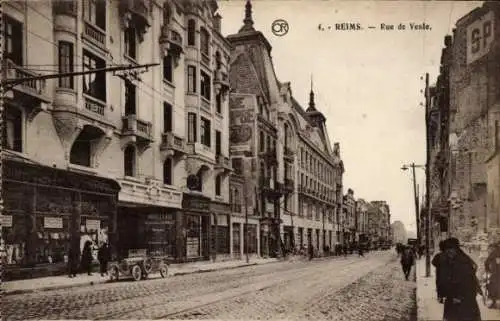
<point>139,159</point>
<point>379,226</point>
<point>284,163</point>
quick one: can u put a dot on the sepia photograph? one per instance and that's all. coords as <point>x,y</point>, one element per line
<point>250,160</point>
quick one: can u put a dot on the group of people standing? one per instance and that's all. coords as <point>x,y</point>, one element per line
<point>84,263</point>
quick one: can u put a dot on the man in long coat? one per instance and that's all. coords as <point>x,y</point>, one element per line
<point>459,284</point>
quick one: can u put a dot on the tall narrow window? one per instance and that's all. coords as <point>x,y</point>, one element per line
<point>66,64</point>
<point>167,68</point>
<point>130,98</point>
<point>205,132</point>
<point>192,132</point>
<point>218,185</point>
<point>129,161</point>
<point>94,84</point>
<point>191,32</point>
<point>94,11</point>
<point>262,142</point>
<point>218,142</point>
<point>167,171</point>
<point>218,103</point>
<point>167,117</point>
<point>204,41</point>
<point>191,79</point>
<point>13,129</point>
<point>205,86</point>
<point>13,34</point>
<point>130,42</point>
<point>167,13</point>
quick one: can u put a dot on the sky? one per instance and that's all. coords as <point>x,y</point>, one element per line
<point>367,83</point>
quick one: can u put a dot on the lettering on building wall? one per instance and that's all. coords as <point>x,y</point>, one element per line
<point>53,222</point>
<point>480,37</point>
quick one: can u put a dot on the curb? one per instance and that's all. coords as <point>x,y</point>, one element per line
<point>67,286</point>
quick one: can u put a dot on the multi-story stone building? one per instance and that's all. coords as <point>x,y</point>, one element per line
<point>349,218</point>
<point>317,168</point>
<point>280,150</point>
<point>361,221</point>
<point>254,141</point>
<point>379,218</point>
<point>136,158</point>
<point>399,234</point>
<point>473,77</point>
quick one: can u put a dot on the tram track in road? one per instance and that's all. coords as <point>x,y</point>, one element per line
<point>183,306</point>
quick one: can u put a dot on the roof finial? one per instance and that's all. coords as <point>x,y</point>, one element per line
<point>311,97</point>
<point>248,21</point>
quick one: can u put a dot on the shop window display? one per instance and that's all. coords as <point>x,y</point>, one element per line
<point>53,237</point>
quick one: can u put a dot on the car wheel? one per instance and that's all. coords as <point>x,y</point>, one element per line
<point>136,272</point>
<point>163,271</point>
<point>114,274</point>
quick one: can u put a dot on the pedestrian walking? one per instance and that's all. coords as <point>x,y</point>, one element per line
<point>311,251</point>
<point>103,256</point>
<point>73,258</point>
<point>437,263</point>
<point>345,250</point>
<point>360,251</point>
<point>407,261</point>
<point>87,258</point>
<point>459,284</point>
<point>492,267</point>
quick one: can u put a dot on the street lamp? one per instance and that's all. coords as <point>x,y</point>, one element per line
<point>412,166</point>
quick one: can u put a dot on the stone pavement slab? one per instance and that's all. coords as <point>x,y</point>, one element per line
<point>59,282</point>
<point>428,308</point>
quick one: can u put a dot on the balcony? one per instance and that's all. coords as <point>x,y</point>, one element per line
<point>172,145</point>
<point>222,163</point>
<point>289,185</point>
<point>288,154</point>
<point>270,189</point>
<point>171,43</point>
<point>205,59</point>
<point>138,13</point>
<point>31,93</point>
<point>221,82</point>
<point>95,35</point>
<point>137,130</point>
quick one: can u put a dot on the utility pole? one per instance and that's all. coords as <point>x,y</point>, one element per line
<point>417,214</point>
<point>427,180</point>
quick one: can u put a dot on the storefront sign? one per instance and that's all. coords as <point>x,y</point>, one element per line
<point>93,225</point>
<point>220,208</point>
<point>53,222</point>
<point>6,220</point>
<point>195,203</point>
<point>480,37</point>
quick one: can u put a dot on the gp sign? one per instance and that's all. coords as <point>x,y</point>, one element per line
<point>480,37</point>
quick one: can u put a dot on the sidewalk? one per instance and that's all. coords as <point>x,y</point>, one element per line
<point>60,282</point>
<point>428,308</point>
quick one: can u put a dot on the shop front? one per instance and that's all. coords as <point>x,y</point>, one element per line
<point>148,217</point>
<point>196,227</point>
<point>47,211</point>
<point>220,238</point>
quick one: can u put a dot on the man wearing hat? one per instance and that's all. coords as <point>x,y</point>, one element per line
<point>492,266</point>
<point>460,286</point>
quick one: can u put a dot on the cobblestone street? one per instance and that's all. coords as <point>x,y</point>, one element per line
<point>370,288</point>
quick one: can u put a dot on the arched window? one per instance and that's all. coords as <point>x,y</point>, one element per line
<point>191,32</point>
<point>167,171</point>
<point>218,60</point>
<point>262,170</point>
<point>200,181</point>
<point>129,161</point>
<point>286,136</point>
<point>81,151</point>
<point>218,185</point>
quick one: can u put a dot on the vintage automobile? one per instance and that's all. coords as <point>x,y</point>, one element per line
<point>137,265</point>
